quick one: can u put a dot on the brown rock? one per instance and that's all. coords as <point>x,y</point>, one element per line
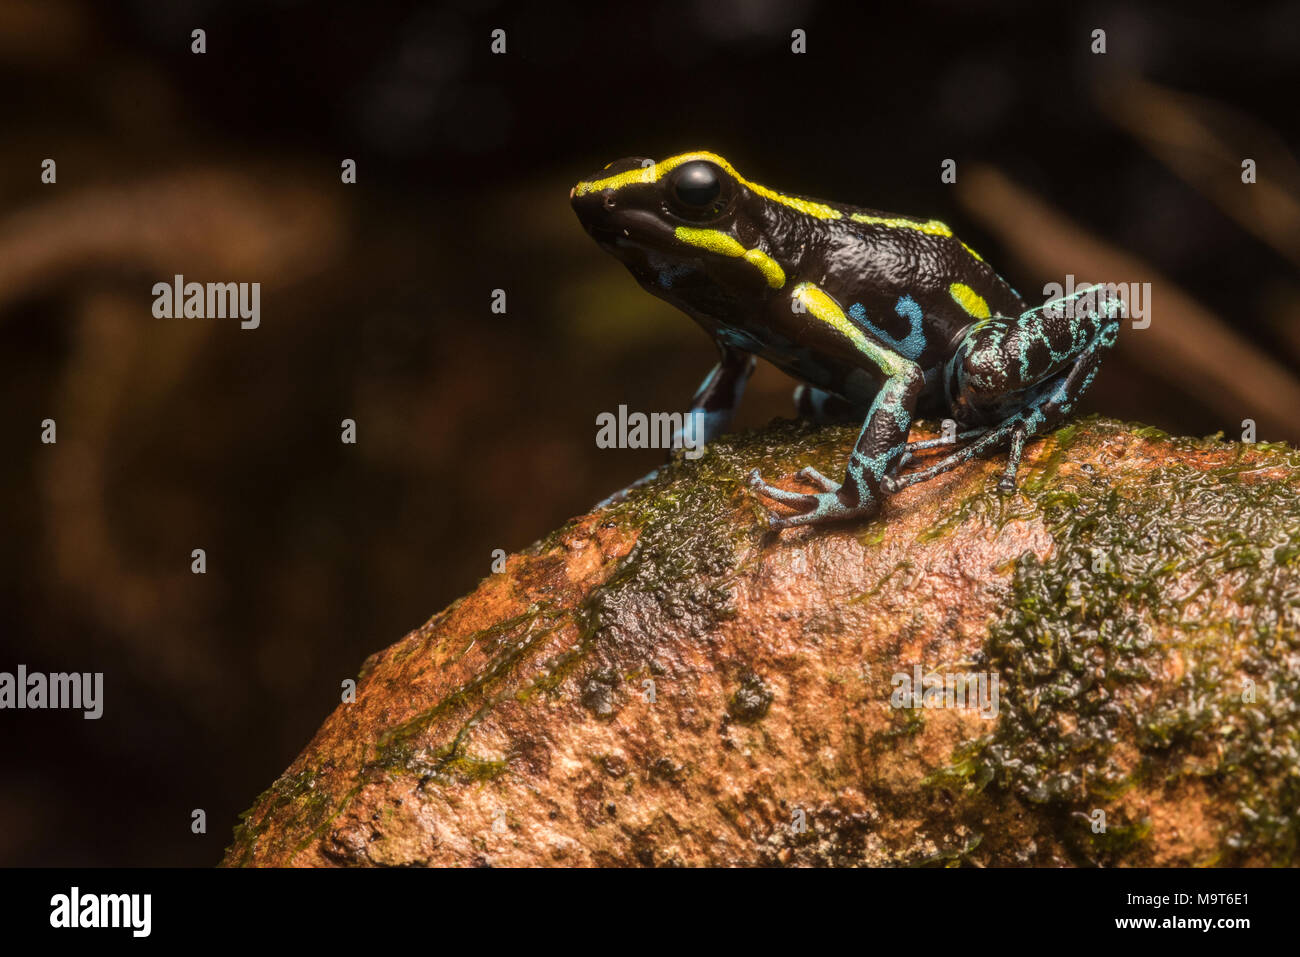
<point>667,683</point>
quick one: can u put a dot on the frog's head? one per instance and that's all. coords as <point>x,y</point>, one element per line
<point>682,220</point>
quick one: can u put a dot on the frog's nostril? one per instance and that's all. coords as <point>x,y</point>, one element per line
<point>609,201</point>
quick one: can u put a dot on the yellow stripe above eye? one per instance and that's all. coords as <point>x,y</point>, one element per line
<point>657,171</point>
<point>970,300</point>
<point>726,245</point>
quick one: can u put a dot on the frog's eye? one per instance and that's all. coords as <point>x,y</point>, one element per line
<point>695,187</point>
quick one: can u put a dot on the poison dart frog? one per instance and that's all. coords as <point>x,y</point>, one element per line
<point>877,315</point>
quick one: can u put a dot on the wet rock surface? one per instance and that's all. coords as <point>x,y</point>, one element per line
<point>666,682</point>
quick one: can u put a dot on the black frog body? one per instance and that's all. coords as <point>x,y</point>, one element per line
<point>887,315</point>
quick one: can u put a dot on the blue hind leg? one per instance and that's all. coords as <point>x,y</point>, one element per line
<point>1049,357</point>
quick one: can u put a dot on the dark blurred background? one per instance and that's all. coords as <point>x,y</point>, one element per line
<point>476,430</point>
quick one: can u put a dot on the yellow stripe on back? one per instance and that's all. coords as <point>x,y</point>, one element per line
<point>970,300</point>
<point>930,226</point>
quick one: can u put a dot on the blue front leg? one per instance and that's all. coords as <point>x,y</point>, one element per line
<point>882,443</point>
<point>711,409</point>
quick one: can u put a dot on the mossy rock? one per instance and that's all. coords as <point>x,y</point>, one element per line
<point>668,682</point>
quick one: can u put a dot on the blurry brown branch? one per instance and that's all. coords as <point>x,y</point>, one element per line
<point>1204,142</point>
<point>214,221</point>
<point>118,378</point>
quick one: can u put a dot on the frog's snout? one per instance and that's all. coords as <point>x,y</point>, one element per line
<point>594,209</point>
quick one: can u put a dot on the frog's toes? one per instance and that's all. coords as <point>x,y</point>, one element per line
<point>892,483</point>
<point>1006,485</point>
<point>809,517</point>
<point>800,500</point>
<point>812,509</point>
<point>814,477</point>
<point>827,508</point>
<point>889,482</point>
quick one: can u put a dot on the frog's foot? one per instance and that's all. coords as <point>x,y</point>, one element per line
<point>1014,429</point>
<point>1019,432</point>
<point>892,470</point>
<point>891,483</point>
<point>813,477</point>
<point>810,509</point>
